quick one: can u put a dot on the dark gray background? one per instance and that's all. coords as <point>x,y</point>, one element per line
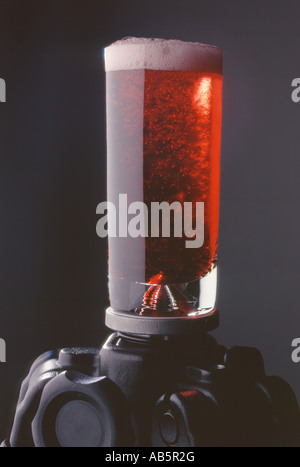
<point>52,171</point>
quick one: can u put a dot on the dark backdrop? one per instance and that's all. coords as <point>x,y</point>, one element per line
<point>52,171</point>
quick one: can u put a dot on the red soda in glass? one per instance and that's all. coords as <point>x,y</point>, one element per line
<point>164,102</point>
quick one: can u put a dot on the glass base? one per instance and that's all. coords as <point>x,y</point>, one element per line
<point>165,300</point>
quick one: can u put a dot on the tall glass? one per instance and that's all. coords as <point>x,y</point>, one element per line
<point>163,163</point>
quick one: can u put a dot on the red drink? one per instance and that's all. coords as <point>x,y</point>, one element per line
<point>164,128</point>
<point>182,121</point>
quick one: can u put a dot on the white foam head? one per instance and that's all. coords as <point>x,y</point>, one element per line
<point>132,53</point>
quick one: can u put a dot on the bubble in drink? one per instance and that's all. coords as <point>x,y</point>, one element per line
<point>163,140</point>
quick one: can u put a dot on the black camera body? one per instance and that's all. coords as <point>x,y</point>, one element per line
<point>140,391</point>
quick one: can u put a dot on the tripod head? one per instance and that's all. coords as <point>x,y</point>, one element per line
<point>154,391</point>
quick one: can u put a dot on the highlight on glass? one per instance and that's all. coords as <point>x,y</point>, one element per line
<point>163,101</point>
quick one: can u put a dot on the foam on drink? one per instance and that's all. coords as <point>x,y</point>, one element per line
<point>160,54</point>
